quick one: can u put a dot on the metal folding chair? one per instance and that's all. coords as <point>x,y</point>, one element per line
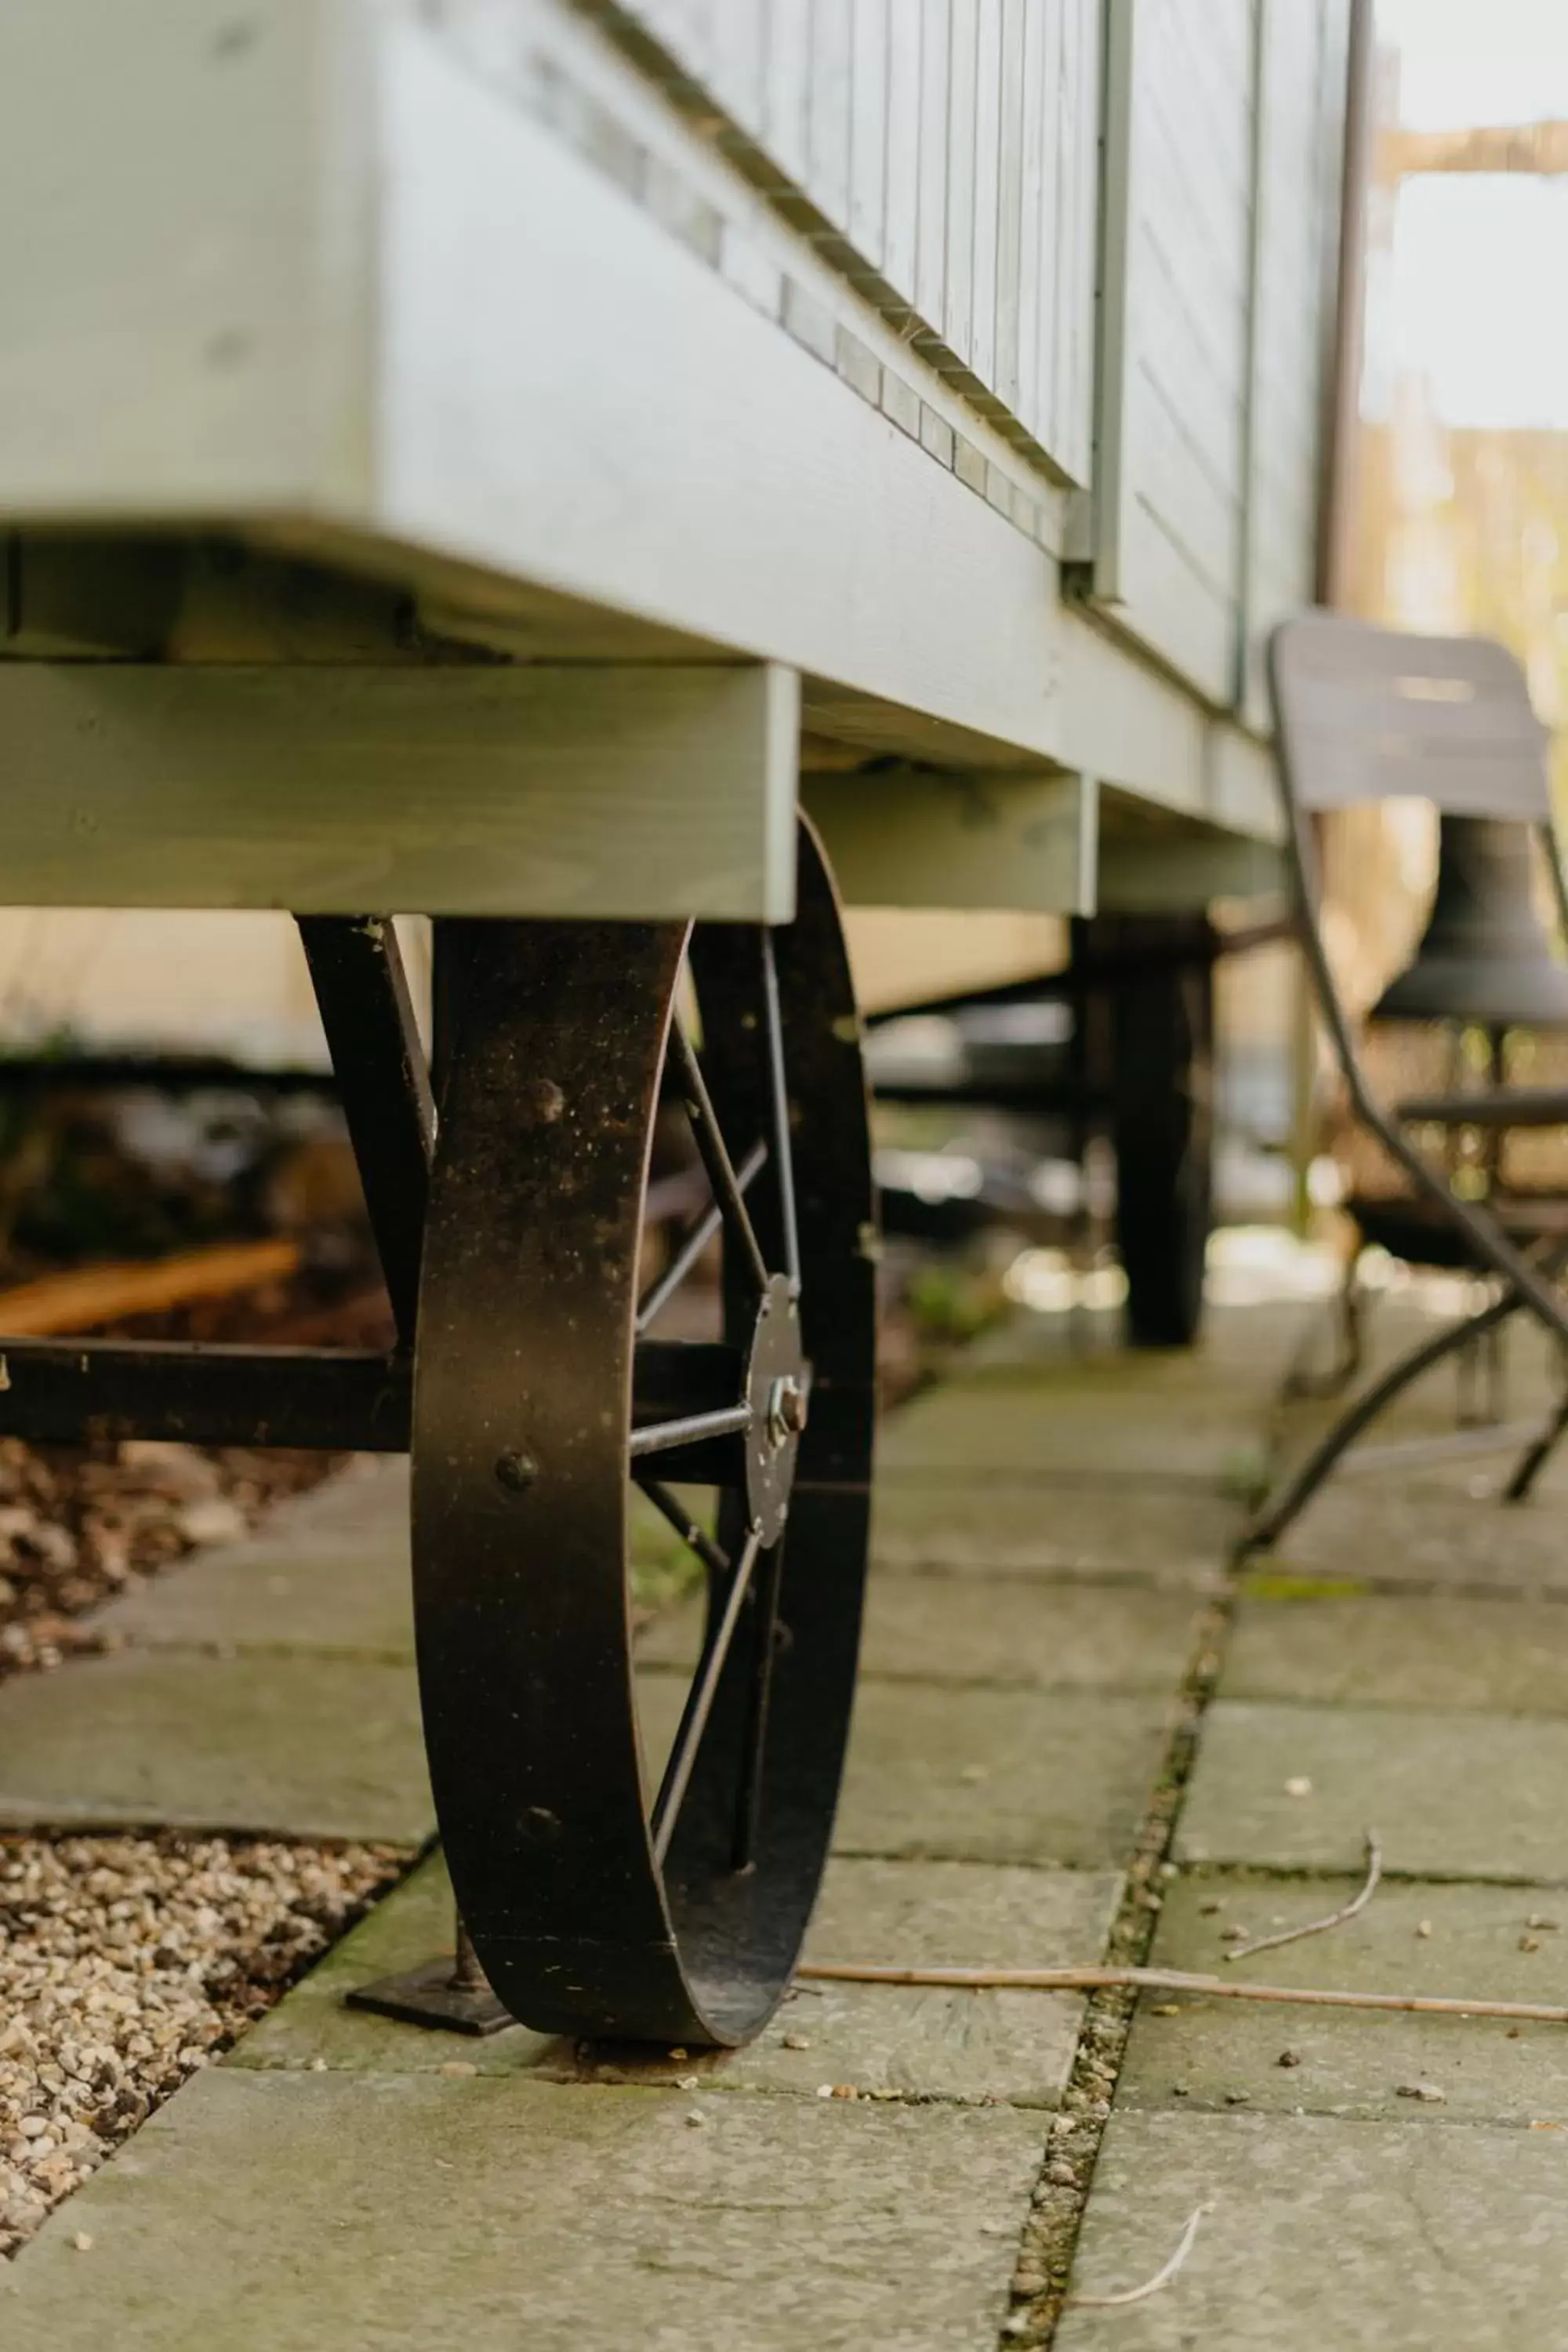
<point>1365,714</point>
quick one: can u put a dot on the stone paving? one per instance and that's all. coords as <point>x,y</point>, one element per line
<point>1052,1541</point>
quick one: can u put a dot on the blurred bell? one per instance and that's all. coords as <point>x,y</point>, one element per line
<point>1485,956</point>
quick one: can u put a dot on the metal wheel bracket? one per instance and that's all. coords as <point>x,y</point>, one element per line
<point>428,1996</point>
<point>449,1990</point>
<point>777,1387</point>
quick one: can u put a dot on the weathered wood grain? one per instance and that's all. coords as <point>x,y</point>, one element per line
<point>915,837</point>
<point>1217,216</point>
<point>903,124</point>
<point>629,792</point>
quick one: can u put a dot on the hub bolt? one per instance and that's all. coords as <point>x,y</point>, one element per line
<point>517,1470</point>
<point>786,1410</point>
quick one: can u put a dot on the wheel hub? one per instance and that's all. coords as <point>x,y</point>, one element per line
<point>778,1383</point>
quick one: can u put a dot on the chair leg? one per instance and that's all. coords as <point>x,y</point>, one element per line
<point>1349,1309</point>
<point>1534,1460</point>
<point>1481,1378</point>
<point>1271,1522</point>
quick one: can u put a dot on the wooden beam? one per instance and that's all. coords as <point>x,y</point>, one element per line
<point>646,792</point>
<point>1155,875</point>
<point>912,836</point>
<point>1540,147</point>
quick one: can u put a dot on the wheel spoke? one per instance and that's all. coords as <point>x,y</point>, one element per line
<point>657,1298</point>
<point>783,1154</point>
<point>700,1702</point>
<point>716,1158</point>
<point>749,1786</point>
<point>668,1505</point>
<point>690,1430</point>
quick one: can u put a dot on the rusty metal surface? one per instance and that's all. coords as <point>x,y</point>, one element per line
<point>527,1390</point>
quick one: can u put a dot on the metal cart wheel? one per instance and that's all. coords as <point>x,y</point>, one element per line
<point>1161,1041</point>
<point>605,1899</point>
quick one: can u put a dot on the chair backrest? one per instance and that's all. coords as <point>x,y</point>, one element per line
<point>1367,714</point>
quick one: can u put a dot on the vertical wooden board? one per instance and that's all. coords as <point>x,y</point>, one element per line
<point>900,242</point>
<point>930,246</point>
<point>1188,309</point>
<point>1070,318</point>
<point>1060,134</point>
<point>925,133</point>
<point>1032,237</point>
<point>786,88</point>
<point>686,29</point>
<point>1295,237</point>
<point>961,91</point>
<point>987,188</point>
<point>869,129</point>
<point>1006,376</point>
<point>829,110</point>
<point>1115,365</point>
<point>1068,309</point>
<point>737,37</point>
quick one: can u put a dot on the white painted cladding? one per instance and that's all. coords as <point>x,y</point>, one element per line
<point>1302,82</point>
<point>949,149</point>
<point>454,278</point>
<point>1222,150</point>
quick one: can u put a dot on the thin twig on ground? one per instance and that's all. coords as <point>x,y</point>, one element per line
<point>1334,1920</point>
<point>1162,2277</point>
<point>1526,2012</point>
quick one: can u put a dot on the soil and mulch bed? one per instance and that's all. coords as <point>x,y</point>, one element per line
<point>79,1524</point>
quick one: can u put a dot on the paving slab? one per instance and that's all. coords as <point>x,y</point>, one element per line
<point>296,1745</point>
<point>951,1629</point>
<point>366,1501</point>
<point>926,2042</point>
<point>1001,1776</point>
<point>1089,1345</point>
<point>297,1589</point>
<point>1509,1655</point>
<point>1090,1526</point>
<point>1187,1437</point>
<point>1412,2237</point>
<point>387,2214</point>
<point>1477,1943</point>
<point>1373,1531</point>
<point>968,1775</point>
<point>329,1572</point>
<point>1453,1795</point>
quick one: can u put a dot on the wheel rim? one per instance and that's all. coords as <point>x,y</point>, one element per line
<point>604,1899</point>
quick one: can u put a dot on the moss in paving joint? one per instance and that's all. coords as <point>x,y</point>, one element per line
<point>1072,2148</point>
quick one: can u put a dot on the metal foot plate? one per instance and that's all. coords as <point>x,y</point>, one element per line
<point>431,1995</point>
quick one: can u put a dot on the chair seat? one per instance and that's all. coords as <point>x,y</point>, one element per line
<point>1420,1234</point>
<point>1498,1107</point>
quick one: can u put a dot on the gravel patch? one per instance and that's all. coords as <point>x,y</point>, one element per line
<point>128,1962</point>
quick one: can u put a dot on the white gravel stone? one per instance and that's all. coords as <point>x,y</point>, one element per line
<point>124,1963</point>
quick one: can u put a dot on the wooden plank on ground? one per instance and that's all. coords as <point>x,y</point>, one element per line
<point>84,1297</point>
